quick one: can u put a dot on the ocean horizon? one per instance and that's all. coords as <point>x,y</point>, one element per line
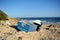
<point>54,20</point>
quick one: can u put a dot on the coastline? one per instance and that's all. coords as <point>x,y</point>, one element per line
<point>9,33</point>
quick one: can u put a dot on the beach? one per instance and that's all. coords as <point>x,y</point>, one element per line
<point>46,32</point>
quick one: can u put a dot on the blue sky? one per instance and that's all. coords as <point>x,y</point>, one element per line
<point>31,8</point>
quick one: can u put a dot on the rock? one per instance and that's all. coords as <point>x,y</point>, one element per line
<point>13,21</point>
<point>9,33</point>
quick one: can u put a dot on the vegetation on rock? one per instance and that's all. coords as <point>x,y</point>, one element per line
<point>3,16</point>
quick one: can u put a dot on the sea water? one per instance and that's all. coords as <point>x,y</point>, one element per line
<point>55,20</point>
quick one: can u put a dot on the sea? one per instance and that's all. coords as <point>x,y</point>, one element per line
<point>51,20</point>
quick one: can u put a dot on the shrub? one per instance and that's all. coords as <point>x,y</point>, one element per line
<point>3,16</point>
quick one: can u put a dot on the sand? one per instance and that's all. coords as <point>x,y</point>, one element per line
<point>45,32</point>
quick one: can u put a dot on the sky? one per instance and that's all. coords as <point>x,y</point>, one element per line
<point>31,8</point>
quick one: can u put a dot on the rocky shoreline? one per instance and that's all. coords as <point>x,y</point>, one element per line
<point>45,32</point>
